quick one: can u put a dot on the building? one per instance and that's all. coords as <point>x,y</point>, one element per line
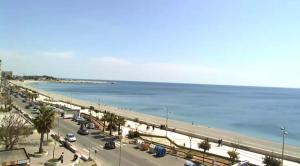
<point>0,70</point>
<point>7,74</point>
<point>16,157</point>
<point>0,75</point>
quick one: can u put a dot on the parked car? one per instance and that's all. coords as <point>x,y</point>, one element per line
<point>27,106</point>
<point>190,163</point>
<point>83,130</point>
<point>110,145</point>
<point>36,107</point>
<point>35,111</point>
<point>160,151</point>
<point>24,101</point>
<point>70,137</point>
<point>81,120</point>
<point>91,125</point>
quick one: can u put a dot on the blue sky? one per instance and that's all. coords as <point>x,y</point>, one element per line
<point>241,42</point>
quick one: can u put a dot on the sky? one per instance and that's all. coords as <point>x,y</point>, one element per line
<point>232,42</point>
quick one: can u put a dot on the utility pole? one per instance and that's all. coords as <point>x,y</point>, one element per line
<point>284,133</point>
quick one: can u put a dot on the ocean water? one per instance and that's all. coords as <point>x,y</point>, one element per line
<point>253,111</point>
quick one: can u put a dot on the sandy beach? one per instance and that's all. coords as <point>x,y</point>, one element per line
<point>246,142</point>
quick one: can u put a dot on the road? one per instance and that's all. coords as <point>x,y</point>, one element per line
<point>95,141</point>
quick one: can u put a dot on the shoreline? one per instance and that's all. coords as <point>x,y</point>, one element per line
<point>246,142</point>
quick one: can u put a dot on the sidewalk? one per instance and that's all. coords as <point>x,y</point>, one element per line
<point>31,144</point>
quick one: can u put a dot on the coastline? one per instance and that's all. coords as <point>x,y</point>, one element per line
<point>198,131</point>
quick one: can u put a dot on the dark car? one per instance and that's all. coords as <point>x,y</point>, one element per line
<point>110,145</point>
<point>27,106</point>
<point>91,125</point>
<point>24,101</point>
<point>83,130</point>
<point>81,120</point>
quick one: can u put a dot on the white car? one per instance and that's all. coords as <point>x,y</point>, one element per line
<point>70,137</point>
<point>35,111</point>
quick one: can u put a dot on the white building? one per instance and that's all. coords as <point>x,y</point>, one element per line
<point>0,75</point>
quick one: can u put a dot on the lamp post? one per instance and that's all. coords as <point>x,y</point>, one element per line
<point>167,118</point>
<point>284,133</point>
<point>120,155</point>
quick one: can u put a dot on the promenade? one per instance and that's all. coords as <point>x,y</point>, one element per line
<point>197,132</point>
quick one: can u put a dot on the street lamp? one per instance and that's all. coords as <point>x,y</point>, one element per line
<point>167,118</point>
<point>120,154</point>
<point>284,133</point>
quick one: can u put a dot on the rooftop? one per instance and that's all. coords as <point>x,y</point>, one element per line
<point>17,155</point>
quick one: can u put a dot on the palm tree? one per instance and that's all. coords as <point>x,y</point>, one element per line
<point>104,118</point>
<point>35,96</point>
<point>44,122</point>
<point>120,121</point>
<point>90,111</point>
<point>112,121</point>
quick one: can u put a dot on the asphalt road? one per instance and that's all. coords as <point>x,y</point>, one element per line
<point>95,141</point>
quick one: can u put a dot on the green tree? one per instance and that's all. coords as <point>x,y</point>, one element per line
<point>120,121</point>
<point>205,145</point>
<point>44,122</point>
<point>90,111</point>
<point>112,118</point>
<point>104,119</point>
<point>271,161</point>
<point>233,155</point>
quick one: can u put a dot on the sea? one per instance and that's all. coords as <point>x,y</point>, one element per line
<point>254,111</point>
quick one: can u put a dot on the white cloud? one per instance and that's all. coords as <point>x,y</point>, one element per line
<point>64,55</point>
<point>67,64</point>
<point>109,60</point>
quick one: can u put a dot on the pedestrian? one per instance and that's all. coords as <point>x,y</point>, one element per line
<point>61,157</point>
<point>219,142</point>
<point>75,157</point>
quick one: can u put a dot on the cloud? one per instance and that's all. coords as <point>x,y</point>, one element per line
<point>66,64</point>
<point>109,60</point>
<point>62,55</point>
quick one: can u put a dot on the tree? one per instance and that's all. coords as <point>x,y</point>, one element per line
<point>6,100</point>
<point>233,155</point>
<point>271,161</point>
<point>12,127</point>
<point>104,118</point>
<point>205,145</point>
<point>90,111</point>
<point>120,121</point>
<point>112,118</point>
<point>35,96</point>
<point>44,122</point>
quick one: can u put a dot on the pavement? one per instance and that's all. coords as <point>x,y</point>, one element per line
<point>31,144</point>
<point>95,141</point>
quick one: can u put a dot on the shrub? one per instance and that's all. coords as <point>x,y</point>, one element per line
<point>136,120</point>
<point>133,134</point>
<point>189,156</point>
<point>163,127</point>
<point>271,161</point>
<point>233,155</point>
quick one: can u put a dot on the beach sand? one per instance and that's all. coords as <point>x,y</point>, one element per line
<point>246,142</point>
